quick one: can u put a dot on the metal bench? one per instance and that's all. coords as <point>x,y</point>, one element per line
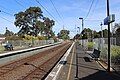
<point>95,55</point>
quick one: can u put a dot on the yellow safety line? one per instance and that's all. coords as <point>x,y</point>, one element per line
<point>68,76</point>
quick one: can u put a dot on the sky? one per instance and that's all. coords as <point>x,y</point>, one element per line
<point>69,13</point>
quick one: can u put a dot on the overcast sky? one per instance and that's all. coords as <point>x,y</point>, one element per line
<point>69,10</point>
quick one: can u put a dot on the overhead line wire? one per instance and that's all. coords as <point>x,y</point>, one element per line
<point>46,10</point>
<point>89,10</point>
<point>6,13</point>
<point>6,19</point>
<point>57,11</point>
<point>19,3</point>
<point>6,8</point>
<point>95,6</point>
<point>92,20</point>
<point>60,16</point>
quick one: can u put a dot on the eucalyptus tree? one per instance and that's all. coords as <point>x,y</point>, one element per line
<point>28,21</point>
<point>48,26</point>
<point>64,34</point>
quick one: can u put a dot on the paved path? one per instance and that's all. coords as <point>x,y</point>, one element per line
<point>84,69</point>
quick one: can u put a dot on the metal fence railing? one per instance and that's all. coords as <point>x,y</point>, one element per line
<point>102,45</point>
<point>19,44</point>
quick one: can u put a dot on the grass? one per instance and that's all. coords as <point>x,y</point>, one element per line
<point>115,52</point>
<point>1,48</point>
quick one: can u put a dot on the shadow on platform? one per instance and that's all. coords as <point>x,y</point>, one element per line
<point>85,66</point>
<point>99,75</point>
<point>87,59</point>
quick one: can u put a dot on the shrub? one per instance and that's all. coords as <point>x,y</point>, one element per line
<point>90,45</point>
<point>104,52</point>
<point>1,48</point>
<point>55,39</point>
<point>41,38</point>
<point>115,52</point>
<point>28,37</point>
<point>13,37</point>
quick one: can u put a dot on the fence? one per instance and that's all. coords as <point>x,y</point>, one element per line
<point>19,44</point>
<point>102,45</point>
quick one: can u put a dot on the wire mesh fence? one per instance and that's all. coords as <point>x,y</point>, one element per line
<point>102,45</point>
<point>22,44</point>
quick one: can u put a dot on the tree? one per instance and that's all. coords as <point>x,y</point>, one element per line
<point>64,34</point>
<point>8,33</point>
<point>48,26</point>
<point>1,35</point>
<point>77,36</point>
<point>105,33</point>
<point>28,20</point>
<point>32,22</point>
<point>96,34</point>
<point>87,33</point>
<point>41,26</point>
<point>118,36</point>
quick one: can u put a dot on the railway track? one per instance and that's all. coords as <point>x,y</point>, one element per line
<point>35,67</point>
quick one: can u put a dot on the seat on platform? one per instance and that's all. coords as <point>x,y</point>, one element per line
<point>95,55</point>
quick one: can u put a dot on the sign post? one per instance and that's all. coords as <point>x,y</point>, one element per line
<point>109,19</point>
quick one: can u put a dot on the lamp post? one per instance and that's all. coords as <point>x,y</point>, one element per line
<point>82,30</point>
<point>76,77</point>
<point>79,29</point>
<point>101,30</point>
<point>101,40</point>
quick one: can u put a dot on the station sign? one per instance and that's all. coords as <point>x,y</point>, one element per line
<point>109,19</point>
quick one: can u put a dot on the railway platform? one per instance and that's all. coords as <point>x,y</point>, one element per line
<point>80,67</point>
